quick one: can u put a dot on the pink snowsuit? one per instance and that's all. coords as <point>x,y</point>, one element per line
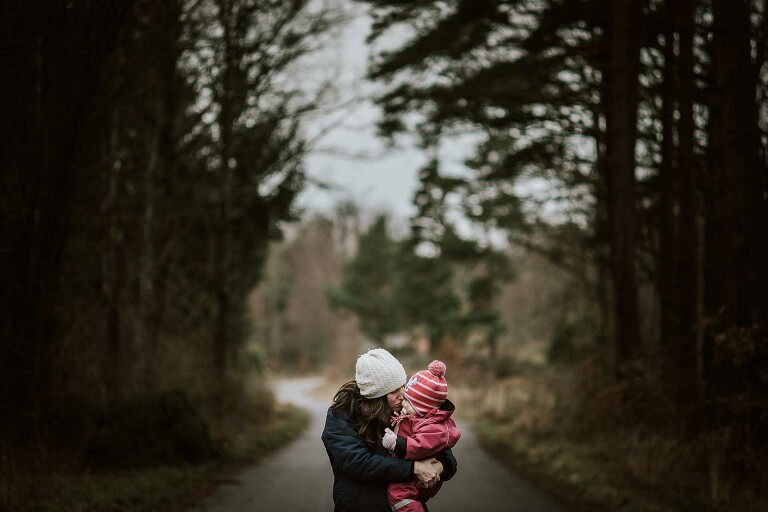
<point>426,436</point>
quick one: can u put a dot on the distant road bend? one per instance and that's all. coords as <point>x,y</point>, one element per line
<point>298,477</point>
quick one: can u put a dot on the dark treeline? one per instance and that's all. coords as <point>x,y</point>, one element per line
<point>150,151</point>
<point>647,122</point>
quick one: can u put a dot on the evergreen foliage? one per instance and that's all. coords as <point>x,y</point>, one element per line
<point>414,285</point>
<point>625,141</point>
<point>368,285</point>
<point>155,153</point>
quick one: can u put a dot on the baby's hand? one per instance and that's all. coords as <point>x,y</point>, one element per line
<point>389,440</point>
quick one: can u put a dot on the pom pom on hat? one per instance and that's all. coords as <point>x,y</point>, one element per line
<point>437,368</point>
<point>378,373</point>
<point>427,389</point>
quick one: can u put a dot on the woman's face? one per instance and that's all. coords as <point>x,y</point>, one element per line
<point>395,399</point>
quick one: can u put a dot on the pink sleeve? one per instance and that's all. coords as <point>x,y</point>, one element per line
<point>429,439</point>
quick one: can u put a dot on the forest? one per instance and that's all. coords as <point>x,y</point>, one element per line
<point>155,267</point>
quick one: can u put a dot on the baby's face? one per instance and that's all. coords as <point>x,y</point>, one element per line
<point>407,408</point>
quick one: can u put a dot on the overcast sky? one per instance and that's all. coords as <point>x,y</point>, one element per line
<point>381,180</point>
<point>386,178</point>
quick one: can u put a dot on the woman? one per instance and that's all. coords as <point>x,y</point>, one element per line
<point>354,426</point>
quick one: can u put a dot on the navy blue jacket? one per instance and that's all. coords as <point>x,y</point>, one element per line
<point>360,472</point>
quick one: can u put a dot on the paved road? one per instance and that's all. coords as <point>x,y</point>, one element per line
<point>298,477</point>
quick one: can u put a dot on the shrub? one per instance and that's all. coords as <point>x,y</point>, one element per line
<point>141,431</point>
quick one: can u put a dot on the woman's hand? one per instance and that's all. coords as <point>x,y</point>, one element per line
<point>439,467</point>
<point>427,472</point>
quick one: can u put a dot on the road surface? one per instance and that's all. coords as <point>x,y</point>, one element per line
<point>298,477</point>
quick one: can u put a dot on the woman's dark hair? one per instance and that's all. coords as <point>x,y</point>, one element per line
<point>371,415</point>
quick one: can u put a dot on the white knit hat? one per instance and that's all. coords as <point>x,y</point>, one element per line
<point>378,373</point>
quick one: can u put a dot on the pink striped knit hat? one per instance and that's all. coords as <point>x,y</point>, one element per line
<point>427,389</point>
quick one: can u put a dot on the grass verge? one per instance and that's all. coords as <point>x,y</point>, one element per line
<point>255,440</point>
<point>582,475</point>
<point>147,490</point>
<point>54,488</point>
<point>559,468</point>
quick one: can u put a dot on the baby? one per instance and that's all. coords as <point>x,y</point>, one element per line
<point>423,429</point>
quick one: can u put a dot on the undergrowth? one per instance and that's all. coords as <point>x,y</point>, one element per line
<point>610,447</point>
<point>54,479</point>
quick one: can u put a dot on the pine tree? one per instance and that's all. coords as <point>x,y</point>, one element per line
<point>368,286</point>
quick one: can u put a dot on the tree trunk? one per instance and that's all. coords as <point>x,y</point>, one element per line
<point>622,100</point>
<point>738,274</point>
<point>111,280</point>
<point>161,151</point>
<point>669,190</point>
<point>50,99</point>
<point>147,261</point>
<point>601,242</point>
<point>688,264</point>
<point>223,238</point>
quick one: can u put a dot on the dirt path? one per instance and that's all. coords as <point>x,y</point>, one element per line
<point>298,477</point>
